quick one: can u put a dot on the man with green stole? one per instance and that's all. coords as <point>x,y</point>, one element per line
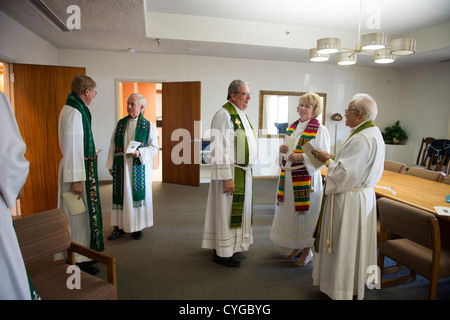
<point>131,168</point>
<point>78,169</point>
<point>229,212</point>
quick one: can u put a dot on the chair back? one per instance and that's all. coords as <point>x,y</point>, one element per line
<point>395,166</point>
<point>439,154</point>
<point>43,234</point>
<point>426,174</point>
<point>412,223</point>
<point>423,152</point>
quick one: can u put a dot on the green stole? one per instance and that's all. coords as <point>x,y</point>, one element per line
<point>301,180</point>
<point>242,156</point>
<point>90,165</point>
<point>138,183</point>
<point>316,234</point>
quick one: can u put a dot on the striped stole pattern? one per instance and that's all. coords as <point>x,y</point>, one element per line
<point>301,180</point>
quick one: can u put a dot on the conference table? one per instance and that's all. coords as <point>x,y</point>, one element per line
<point>416,192</point>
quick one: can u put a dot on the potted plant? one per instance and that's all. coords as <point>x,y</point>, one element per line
<point>394,134</point>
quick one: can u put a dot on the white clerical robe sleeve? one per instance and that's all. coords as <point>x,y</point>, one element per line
<point>14,168</point>
<point>72,145</point>
<point>222,146</point>
<point>111,151</point>
<point>345,173</point>
<point>149,152</point>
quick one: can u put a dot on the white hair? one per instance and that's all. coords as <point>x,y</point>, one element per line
<point>366,104</point>
<point>141,100</point>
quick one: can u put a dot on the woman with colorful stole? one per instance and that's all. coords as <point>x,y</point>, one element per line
<point>78,169</point>
<point>299,194</point>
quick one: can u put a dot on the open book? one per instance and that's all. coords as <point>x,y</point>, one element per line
<point>130,149</point>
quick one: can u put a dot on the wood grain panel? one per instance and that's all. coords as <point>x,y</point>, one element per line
<point>180,110</point>
<point>40,93</point>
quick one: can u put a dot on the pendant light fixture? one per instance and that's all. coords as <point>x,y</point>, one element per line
<point>371,43</point>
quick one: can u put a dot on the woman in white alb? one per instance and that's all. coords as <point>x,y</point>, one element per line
<point>299,193</point>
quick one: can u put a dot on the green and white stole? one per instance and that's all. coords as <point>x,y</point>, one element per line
<point>138,183</point>
<point>301,180</point>
<point>317,231</point>
<point>242,156</point>
<point>90,165</point>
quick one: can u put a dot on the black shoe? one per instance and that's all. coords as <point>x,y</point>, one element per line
<point>229,262</point>
<point>137,235</point>
<point>88,268</point>
<point>116,233</point>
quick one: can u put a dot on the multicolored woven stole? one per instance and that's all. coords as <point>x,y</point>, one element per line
<point>90,165</point>
<point>239,174</point>
<point>301,180</point>
<point>138,183</point>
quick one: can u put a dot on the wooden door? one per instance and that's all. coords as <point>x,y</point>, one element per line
<point>40,92</point>
<point>181,121</point>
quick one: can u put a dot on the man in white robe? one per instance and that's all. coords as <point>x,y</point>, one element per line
<point>13,173</point>
<point>218,233</point>
<point>346,237</point>
<point>130,218</point>
<point>72,168</point>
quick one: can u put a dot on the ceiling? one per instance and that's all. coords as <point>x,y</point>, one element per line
<point>281,30</point>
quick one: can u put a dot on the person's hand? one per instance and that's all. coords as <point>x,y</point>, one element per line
<point>110,172</point>
<point>135,153</point>
<point>228,186</point>
<point>77,188</point>
<point>284,148</point>
<point>295,157</point>
<point>322,156</point>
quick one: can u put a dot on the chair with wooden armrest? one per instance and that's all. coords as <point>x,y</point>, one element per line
<point>426,174</point>
<point>44,234</point>
<point>419,249</point>
<point>395,166</point>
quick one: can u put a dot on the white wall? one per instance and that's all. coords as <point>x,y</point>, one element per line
<point>401,95</point>
<point>216,73</point>
<point>18,44</point>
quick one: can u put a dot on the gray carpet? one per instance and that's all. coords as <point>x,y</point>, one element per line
<point>169,264</point>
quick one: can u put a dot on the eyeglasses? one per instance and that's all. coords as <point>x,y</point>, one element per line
<point>246,94</point>
<point>95,92</point>
<point>347,110</point>
<point>304,106</point>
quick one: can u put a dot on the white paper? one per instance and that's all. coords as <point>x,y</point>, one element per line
<point>443,211</point>
<point>290,143</point>
<point>132,146</point>
<point>308,148</point>
<point>74,205</point>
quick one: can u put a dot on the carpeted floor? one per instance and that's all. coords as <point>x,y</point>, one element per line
<point>169,264</point>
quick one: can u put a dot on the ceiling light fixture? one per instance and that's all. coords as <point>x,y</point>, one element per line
<point>371,43</point>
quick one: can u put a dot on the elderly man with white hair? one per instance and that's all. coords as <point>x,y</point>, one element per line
<point>132,208</point>
<point>346,237</point>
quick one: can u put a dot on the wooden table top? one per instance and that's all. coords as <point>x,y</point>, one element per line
<point>414,191</point>
<point>417,192</point>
